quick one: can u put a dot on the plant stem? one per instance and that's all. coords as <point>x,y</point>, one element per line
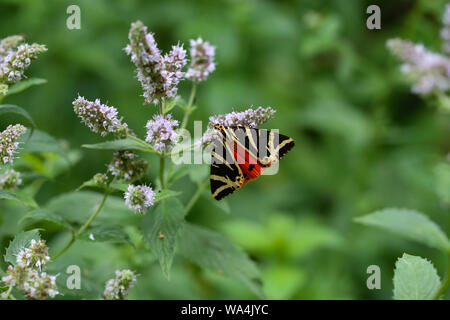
<point>92,217</point>
<point>195,197</point>
<point>444,287</point>
<point>83,228</point>
<point>162,161</point>
<point>189,106</point>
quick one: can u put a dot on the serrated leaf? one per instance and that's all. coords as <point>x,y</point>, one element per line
<point>410,224</point>
<point>21,241</point>
<point>415,278</point>
<point>105,234</point>
<point>12,109</point>
<point>42,214</point>
<point>24,84</point>
<point>121,144</point>
<point>162,228</point>
<point>212,251</point>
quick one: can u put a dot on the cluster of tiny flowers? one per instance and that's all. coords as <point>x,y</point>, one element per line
<point>159,75</point>
<point>25,277</point>
<point>100,179</point>
<point>34,256</point>
<point>209,136</point>
<point>252,118</point>
<point>161,133</point>
<point>118,288</point>
<point>202,60</point>
<point>13,65</point>
<point>8,143</point>
<point>125,165</point>
<point>10,180</point>
<point>445,31</point>
<point>8,44</point>
<point>429,70</point>
<point>139,198</point>
<point>99,117</point>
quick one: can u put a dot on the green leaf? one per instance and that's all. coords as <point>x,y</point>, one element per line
<point>214,252</point>
<point>7,195</point>
<point>179,172</point>
<point>43,142</point>
<point>119,186</point>
<point>410,224</point>
<point>165,194</point>
<point>106,234</point>
<point>121,144</point>
<point>162,228</point>
<point>223,204</point>
<point>24,84</point>
<point>19,196</point>
<point>12,109</point>
<point>42,214</point>
<point>90,183</point>
<point>415,278</point>
<point>21,241</point>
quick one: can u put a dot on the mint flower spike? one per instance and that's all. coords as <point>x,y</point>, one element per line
<point>430,71</point>
<point>99,117</point>
<point>202,60</point>
<point>161,132</point>
<point>10,180</point>
<point>26,276</point>
<point>14,64</point>
<point>159,75</point>
<point>8,143</point>
<point>126,165</point>
<point>119,287</point>
<point>8,44</point>
<point>252,118</point>
<point>139,198</point>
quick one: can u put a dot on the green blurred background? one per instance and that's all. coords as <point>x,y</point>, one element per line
<point>363,141</point>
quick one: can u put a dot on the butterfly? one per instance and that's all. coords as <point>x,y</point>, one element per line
<point>240,154</point>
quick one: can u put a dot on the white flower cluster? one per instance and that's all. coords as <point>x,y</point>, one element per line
<point>139,198</point>
<point>161,133</point>
<point>26,275</point>
<point>15,58</point>
<point>125,165</point>
<point>99,117</point>
<point>159,75</point>
<point>430,71</point>
<point>8,143</point>
<point>10,180</point>
<point>202,60</point>
<point>119,287</point>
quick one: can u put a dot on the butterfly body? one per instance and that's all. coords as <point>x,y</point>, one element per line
<point>241,154</point>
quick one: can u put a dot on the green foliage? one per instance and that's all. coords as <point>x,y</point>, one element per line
<point>415,278</point>
<point>24,84</point>
<point>161,230</point>
<point>212,251</point>
<point>121,144</point>
<point>12,109</point>
<point>20,241</point>
<point>410,224</point>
